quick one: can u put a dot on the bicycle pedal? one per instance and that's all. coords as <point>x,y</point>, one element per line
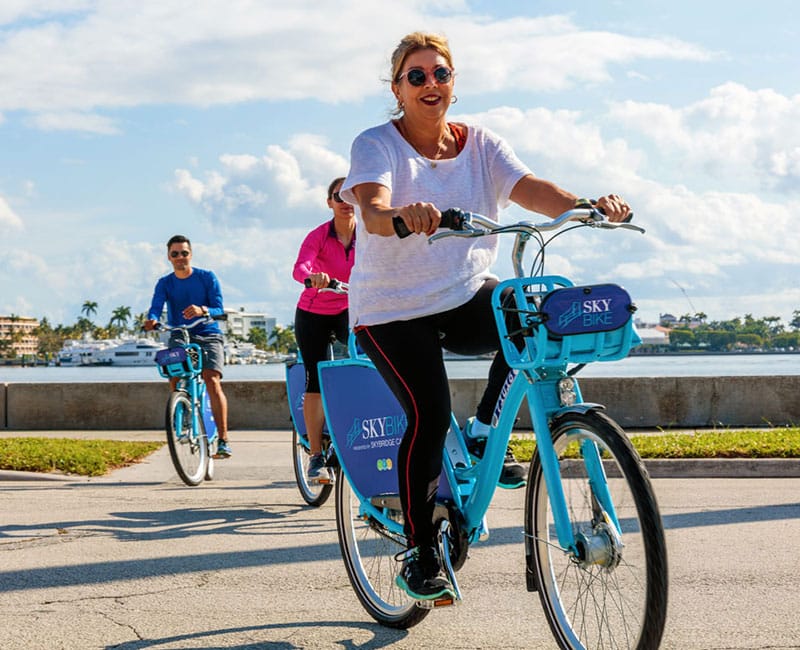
<point>443,601</point>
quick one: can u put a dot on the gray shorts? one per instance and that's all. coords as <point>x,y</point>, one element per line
<point>212,347</point>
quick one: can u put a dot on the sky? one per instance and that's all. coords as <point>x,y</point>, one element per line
<point>123,123</point>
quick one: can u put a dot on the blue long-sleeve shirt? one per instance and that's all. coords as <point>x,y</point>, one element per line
<point>200,288</point>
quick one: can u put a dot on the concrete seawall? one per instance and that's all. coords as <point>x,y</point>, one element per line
<point>635,402</point>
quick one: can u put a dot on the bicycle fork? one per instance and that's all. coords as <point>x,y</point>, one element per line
<point>589,549</point>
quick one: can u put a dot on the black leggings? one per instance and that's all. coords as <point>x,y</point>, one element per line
<point>313,333</point>
<point>408,355</point>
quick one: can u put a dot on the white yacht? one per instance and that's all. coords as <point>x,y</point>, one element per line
<point>132,352</point>
<point>84,352</point>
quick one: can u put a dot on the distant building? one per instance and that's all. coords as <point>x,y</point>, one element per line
<point>19,331</point>
<point>240,323</point>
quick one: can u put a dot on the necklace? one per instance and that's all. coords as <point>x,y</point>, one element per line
<point>441,145</point>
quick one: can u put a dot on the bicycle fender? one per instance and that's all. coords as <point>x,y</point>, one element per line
<point>580,409</point>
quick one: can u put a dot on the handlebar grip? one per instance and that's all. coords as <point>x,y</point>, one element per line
<point>400,228</point>
<point>601,211</point>
<point>332,284</point>
<point>452,218</point>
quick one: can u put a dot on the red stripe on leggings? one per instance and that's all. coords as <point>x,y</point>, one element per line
<point>416,424</point>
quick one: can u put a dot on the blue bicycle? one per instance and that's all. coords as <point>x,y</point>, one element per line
<point>313,493</point>
<point>593,537</point>
<point>191,430</point>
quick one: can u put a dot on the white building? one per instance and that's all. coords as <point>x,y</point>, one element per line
<point>240,323</point>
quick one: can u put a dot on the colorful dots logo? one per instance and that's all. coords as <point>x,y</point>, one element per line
<point>384,464</point>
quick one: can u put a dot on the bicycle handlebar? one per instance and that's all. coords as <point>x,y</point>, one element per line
<point>336,286</point>
<point>159,325</point>
<point>463,223</point>
<point>472,224</point>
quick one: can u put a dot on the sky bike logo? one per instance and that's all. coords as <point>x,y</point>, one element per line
<point>512,375</point>
<point>592,312</point>
<point>376,432</point>
<point>385,464</point>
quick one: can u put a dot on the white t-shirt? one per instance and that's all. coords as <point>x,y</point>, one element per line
<point>400,279</point>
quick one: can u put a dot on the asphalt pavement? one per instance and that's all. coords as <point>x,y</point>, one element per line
<point>137,560</point>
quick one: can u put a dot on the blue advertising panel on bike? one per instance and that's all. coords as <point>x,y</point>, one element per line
<point>208,417</point>
<point>296,389</point>
<point>366,424</point>
<point>585,310</point>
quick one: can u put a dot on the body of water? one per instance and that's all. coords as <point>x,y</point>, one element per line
<point>707,365</point>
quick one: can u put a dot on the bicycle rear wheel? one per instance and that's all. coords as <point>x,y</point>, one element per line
<point>187,448</point>
<point>314,494</point>
<point>611,593</point>
<point>368,551</point>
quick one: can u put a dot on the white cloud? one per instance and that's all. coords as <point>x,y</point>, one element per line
<point>122,54</point>
<point>74,121</point>
<point>285,186</point>
<point>742,139</point>
<point>8,218</point>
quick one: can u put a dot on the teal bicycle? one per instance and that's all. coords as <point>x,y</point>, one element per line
<point>593,537</point>
<point>191,430</point>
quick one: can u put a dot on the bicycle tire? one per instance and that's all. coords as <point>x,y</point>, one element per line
<point>314,494</point>
<point>619,600</point>
<point>187,448</point>
<point>368,551</point>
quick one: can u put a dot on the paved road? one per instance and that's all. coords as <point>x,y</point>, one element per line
<point>136,560</point>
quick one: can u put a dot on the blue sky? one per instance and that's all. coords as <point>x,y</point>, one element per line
<point>123,123</point>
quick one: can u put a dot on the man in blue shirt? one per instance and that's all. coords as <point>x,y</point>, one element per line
<point>190,293</point>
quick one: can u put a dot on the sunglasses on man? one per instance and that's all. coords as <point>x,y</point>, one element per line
<point>179,253</point>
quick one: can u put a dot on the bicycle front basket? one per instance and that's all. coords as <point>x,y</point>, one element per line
<point>562,323</point>
<point>176,362</point>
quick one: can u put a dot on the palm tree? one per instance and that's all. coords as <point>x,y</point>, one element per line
<point>121,316</point>
<point>89,308</point>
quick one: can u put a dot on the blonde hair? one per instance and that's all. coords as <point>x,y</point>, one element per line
<point>413,43</point>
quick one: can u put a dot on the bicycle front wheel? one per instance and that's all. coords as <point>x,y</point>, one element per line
<point>188,448</point>
<point>314,494</point>
<point>368,551</point>
<point>612,591</point>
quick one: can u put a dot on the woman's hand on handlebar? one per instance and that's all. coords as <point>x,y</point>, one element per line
<point>614,207</point>
<point>420,217</point>
<point>318,280</point>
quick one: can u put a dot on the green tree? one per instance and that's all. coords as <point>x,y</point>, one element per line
<point>749,339</point>
<point>720,340</point>
<point>50,340</point>
<point>795,322</point>
<point>89,308</point>
<point>258,337</point>
<point>282,339</point>
<point>679,337</point>
<point>120,316</point>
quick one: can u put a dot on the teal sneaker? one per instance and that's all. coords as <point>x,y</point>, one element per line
<point>421,575</point>
<point>223,449</point>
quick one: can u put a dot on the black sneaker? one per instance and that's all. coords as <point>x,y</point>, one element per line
<point>513,475</point>
<point>421,576</point>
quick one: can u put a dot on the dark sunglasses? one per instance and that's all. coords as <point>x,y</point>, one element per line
<point>179,253</point>
<point>418,76</point>
<point>335,196</point>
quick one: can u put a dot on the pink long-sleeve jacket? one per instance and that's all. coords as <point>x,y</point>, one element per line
<point>321,251</point>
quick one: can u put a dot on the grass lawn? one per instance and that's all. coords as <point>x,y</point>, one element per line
<point>82,457</point>
<point>758,443</point>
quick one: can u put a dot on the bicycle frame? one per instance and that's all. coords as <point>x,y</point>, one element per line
<point>188,372</point>
<point>537,372</point>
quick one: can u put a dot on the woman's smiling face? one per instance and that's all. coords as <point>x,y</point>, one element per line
<point>432,98</point>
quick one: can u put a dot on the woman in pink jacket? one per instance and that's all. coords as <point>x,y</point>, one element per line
<point>327,253</point>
